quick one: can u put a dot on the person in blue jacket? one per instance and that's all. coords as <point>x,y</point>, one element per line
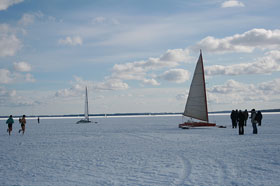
<point>10,122</point>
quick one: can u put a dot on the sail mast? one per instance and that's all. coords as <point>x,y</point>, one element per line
<point>204,86</point>
<point>86,106</point>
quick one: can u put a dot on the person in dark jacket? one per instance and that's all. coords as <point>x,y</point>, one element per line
<point>254,121</point>
<point>10,122</point>
<point>236,117</point>
<point>241,120</point>
<point>233,117</point>
<point>259,118</point>
<point>246,115</point>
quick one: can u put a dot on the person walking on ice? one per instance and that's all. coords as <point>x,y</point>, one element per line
<point>10,122</point>
<point>22,122</point>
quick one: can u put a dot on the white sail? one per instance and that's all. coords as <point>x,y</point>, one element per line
<point>86,119</point>
<point>86,106</point>
<point>196,106</point>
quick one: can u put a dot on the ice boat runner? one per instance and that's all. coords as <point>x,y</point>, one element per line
<point>86,119</point>
<point>196,106</point>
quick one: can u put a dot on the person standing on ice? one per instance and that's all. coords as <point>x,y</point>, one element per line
<point>10,122</point>
<point>259,118</point>
<point>241,119</point>
<point>233,117</point>
<point>246,115</point>
<point>254,121</point>
<point>236,118</point>
<point>22,122</point>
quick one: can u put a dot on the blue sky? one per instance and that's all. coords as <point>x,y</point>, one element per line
<point>136,56</point>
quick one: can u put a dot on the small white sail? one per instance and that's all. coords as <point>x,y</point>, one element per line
<point>196,106</point>
<point>86,119</point>
<point>86,106</point>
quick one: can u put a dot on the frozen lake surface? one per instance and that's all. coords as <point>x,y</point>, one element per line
<point>139,151</point>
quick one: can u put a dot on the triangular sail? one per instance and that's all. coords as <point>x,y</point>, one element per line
<point>86,106</point>
<point>196,106</point>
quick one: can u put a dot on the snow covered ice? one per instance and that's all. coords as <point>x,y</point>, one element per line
<point>139,151</point>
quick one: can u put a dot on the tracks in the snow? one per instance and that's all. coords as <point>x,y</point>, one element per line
<point>193,164</point>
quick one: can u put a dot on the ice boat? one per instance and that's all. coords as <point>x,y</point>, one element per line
<point>86,119</point>
<point>196,106</point>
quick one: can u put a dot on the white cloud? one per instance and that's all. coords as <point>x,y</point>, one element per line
<point>176,55</point>
<point>182,97</point>
<point>232,3</point>
<point>104,20</point>
<point>264,65</point>
<point>73,41</point>
<point>246,42</point>
<point>99,19</point>
<point>29,18</point>
<point>9,43</point>
<point>140,70</point>
<point>5,76</point>
<point>175,75</point>
<point>111,84</point>
<point>29,78</point>
<point>233,92</point>
<point>11,98</point>
<point>8,77</point>
<point>171,58</point>
<point>231,86</point>
<point>5,4</point>
<point>237,95</point>
<point>129,71</point>
<point>270,87</point>
<point>78,87</point>
<point>6,95</point>
<point>152,82</point>
<point>22,66</point>
<point>65,93</point>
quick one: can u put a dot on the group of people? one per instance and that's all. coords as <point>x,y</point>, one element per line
<point>240,117</point>
<point>10,123</point>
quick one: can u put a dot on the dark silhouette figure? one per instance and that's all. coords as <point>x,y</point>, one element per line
<point>38,120</point>
<point>241,121</point>
<point>259,118</point>
<point>10,122</point>
<point>254,121</point>
<point>236,117</point>
<point>246,115</point>
<point>233,117</point>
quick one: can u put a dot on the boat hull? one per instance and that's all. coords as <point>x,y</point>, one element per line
<point>83,121</point>
<point>196,124</point>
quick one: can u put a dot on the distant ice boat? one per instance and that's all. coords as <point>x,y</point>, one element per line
<point>86,119</point>
<point>196,106</point>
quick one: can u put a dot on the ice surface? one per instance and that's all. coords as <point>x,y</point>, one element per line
<point>139,151</point>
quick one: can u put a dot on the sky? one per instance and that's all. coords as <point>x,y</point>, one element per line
<point>137,55</point>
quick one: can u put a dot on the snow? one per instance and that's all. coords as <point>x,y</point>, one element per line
<point>135,151</point>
